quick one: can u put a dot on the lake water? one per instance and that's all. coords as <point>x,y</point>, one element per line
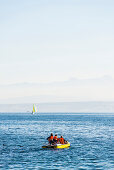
<point>22,137</point>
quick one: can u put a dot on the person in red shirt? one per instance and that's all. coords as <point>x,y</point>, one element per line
<point>61,140</point>
<point>55,138</point>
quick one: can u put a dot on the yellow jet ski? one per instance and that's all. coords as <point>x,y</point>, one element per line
<point>57,146</point>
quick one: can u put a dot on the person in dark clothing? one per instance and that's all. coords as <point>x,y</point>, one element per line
<point>50,138</point>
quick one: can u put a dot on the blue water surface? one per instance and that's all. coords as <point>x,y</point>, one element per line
<point>22,137</point>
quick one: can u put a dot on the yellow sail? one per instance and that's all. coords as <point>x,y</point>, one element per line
<point>34,109</point>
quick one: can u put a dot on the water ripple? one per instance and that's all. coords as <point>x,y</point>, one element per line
<point>22,137</point>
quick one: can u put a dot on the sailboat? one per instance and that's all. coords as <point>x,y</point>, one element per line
<point>34,109</point>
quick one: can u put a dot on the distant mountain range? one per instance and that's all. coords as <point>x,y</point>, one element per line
<point>72,90</point>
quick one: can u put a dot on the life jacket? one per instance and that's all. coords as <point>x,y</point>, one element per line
<point>51,138</point>
<point>55,138</point>
<point>62,140</point>
<point>58,139</point>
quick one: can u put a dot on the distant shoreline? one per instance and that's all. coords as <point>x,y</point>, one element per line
<point>61,107</point>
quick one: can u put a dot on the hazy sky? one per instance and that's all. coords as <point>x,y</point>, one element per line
<point>62,49</point>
